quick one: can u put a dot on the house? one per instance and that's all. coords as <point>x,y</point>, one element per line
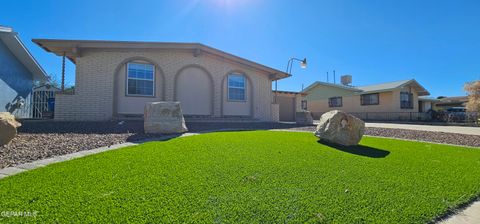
<point>18,73</point>
<point>444,103</point>
<point>289,104</point>
<point>114,80</point>
<point>381,101</point>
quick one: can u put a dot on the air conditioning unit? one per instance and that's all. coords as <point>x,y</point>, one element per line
<point>346,80</point>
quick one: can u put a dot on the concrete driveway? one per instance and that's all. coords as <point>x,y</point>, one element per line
<point>420,127</point>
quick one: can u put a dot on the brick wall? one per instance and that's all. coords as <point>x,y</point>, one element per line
<point>95,82</point>
<point>275,112</point>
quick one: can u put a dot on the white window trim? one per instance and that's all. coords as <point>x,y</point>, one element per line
<point>128,78</point>
<point>235,87</point>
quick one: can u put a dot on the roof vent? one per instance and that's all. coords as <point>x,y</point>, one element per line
<point>346,80</point>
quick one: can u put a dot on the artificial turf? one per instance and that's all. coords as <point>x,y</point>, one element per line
<point>250,177</point>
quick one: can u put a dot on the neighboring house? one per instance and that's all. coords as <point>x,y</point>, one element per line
<point>114,80</point>
<point>289,103</point>
<point>376,101</point>
<point>444,103</point>
<point>18,73</point>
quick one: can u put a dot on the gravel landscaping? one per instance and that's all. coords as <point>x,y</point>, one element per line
<point>43,139</point>
<point>428,136</point>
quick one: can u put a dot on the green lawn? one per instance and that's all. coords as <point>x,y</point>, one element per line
<point>250,177</point>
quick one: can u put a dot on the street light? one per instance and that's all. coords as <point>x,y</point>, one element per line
<point>303,64</point>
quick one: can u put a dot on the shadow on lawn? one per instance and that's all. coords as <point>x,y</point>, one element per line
<point>360,150</point>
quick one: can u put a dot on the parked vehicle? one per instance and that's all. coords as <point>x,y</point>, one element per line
<point>456,114</point>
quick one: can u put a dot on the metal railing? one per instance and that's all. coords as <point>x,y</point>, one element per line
<point>458,117</point>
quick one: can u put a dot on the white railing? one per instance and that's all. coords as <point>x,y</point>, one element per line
<point>40,103</point>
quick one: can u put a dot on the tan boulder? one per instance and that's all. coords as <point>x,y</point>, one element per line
<point>8,127</point>
<point>163,118</point>
<point>340,128</point>
<point>304,118</point>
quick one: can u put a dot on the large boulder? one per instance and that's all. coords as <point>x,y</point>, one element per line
<point>8,127</point>
<point>164,118</point>
<point>304,118</point>
<point>340,128</point>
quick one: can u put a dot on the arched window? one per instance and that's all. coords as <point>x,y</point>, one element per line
<point>237,84</point>
<point>140,79</point>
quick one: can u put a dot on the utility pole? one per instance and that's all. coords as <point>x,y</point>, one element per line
<point>63,72</point>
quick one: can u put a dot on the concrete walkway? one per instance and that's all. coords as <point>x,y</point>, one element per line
<point>436,128</point>
<point>470,215</point>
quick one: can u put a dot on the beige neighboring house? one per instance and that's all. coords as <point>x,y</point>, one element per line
<point>114,80</point>
<point>385,101</point>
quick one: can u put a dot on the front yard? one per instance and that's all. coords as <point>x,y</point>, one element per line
<point>250,176</point>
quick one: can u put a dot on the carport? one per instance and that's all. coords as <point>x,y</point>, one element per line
<point>289,103</point>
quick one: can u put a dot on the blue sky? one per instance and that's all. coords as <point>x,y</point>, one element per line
<point>435,42</point>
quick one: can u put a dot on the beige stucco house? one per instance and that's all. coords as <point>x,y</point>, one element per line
<point>114,80</point>
<point>390,100</point>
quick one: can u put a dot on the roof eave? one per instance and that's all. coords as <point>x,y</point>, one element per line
<point>315,84</point>
<point>422,92</point>
<point>20,51</point>
<point>67,46</point>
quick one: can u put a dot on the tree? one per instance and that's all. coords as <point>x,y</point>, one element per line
<point>473,89</point>
<point>50,80</point>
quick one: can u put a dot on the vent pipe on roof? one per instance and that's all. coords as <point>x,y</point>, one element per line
<point>334,81</point>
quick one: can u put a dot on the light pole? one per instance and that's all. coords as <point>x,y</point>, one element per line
<point>303,64</point>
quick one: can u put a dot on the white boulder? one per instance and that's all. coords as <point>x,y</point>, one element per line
<point>163,118</point>
<point>340,128</point>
